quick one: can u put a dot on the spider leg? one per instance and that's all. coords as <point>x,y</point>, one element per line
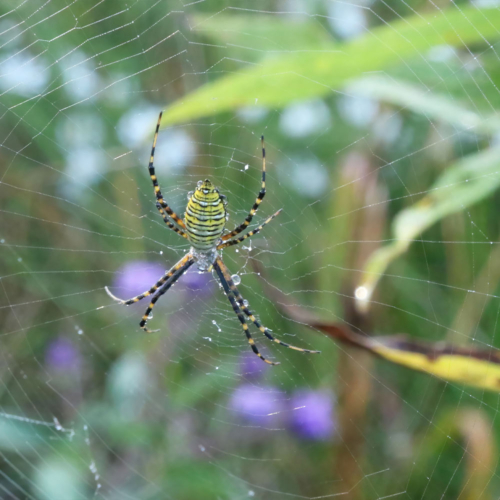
<point>251,233</point>
<point>173,275</point>
<point>238,312</point>
<point>258,201</point>
<point>168,223</point>
<point>163,204</point>
<point>221,269</point>
<point>152,290</point>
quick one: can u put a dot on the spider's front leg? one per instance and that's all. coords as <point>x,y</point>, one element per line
<point>257,203</point>
<point>162,204</point>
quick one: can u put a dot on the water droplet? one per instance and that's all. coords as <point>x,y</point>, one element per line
<point>190,194</point>
<point>247,167</point>
<point>245,303</point>
<point>161,252</point>
<point>361,293</point>
<point>236,279</point>
<point>208,338</point>
<point>80,332</point>
<point>2,241</point>
<point>20,259</point>
<point>150,317</point>
<point>202,448</point>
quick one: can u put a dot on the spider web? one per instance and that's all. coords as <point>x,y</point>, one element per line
<point>90,406</point>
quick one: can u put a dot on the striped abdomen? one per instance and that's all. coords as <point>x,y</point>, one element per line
<point>205,216</point>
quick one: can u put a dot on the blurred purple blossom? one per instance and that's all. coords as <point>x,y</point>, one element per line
<point>313,414</point>
<point>257,404</point>
<point>62,355</point>
<point>252,367</point>
<point>198,283</point>
<point>137,276</point>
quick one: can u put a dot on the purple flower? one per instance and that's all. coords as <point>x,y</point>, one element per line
<point>137,276</point>
<point>62,355</point>
<point>196,283</point>
<point>257,404</point>
<point>312,415</point>
<point>252,367</point>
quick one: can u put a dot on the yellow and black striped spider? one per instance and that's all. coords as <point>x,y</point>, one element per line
<point>203,225</point>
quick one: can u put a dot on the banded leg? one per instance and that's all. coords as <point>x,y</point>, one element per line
<point>251,233</point>
<point>133,300</point>
<point>152,174</point>
<point>227,277</point>
<point>258,201</point>
<point>238,312</point>
<point>174,274</point>
<point>168,223</point>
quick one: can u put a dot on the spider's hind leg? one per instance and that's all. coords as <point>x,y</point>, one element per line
<point>133,300</point>
<point>173,275</point>
<point>249,314</point>
<point>238,312</point>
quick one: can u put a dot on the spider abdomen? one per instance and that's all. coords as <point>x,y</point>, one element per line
<point>205,216</point>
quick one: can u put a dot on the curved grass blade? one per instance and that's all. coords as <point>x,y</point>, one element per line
<point>470,180</point>
<point>278,81</point>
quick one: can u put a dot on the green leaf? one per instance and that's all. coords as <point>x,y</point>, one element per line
<point>458,77</point>
<point>255,35</point>
<point>433,105</point>
<point>300,75</point>
<point>465,183</point>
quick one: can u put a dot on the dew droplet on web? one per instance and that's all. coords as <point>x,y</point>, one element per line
<point>247,167</point>
<point>236,279</point>
<point>245,303</point>
<point>57,425</point>
<point>80,332</point>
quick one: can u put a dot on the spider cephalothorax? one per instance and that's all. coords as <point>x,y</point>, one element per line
<point>203,226</point>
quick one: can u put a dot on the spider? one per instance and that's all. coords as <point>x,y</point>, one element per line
<point>203,225</point>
